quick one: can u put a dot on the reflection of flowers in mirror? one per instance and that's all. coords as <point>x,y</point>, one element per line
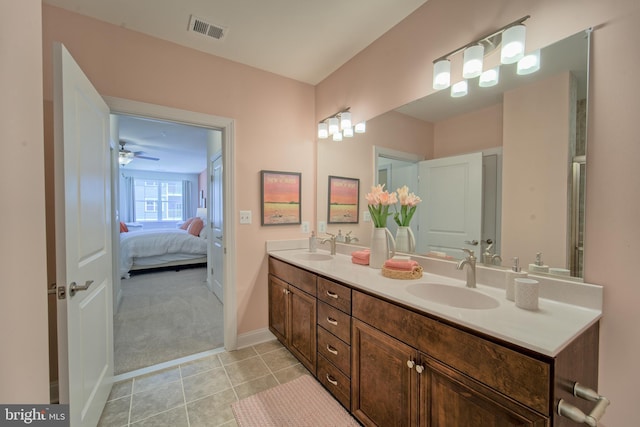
<point>378,201</point>
<point>408,204</point>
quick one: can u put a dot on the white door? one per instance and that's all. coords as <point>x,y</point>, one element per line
<point>450,215</point>
<point>83,241</point>
<point>217,222</point>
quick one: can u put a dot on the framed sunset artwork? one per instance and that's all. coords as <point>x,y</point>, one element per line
<point>280,195</point>
<point>343,200</point>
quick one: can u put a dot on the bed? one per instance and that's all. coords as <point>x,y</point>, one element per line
<point>146,249</point>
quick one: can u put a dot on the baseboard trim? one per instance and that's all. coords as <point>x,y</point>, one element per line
<point>255,337</point>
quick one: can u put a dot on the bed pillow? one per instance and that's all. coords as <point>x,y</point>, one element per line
<point>123,227</point>
<point>195,227</point>
<point>185,225</point>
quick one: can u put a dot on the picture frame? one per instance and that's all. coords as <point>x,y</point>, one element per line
<point>343,201</point>
<point>280,197</point>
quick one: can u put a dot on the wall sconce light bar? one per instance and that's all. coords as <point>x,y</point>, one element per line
<point>511,34</point>
<point>339,125</point>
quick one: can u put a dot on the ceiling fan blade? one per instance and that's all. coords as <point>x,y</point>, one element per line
<point>137,156</point>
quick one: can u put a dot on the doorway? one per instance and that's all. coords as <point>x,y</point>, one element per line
<point>164,308</point>
<point>225,130</point>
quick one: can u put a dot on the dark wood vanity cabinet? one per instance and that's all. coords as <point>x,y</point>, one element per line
<point>292,310</point>
<point>393,366</point>
<point>334,339</point>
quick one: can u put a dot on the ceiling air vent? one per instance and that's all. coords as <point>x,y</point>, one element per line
<point>201,26</point>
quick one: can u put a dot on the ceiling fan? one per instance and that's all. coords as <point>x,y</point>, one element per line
<point>126,156</point>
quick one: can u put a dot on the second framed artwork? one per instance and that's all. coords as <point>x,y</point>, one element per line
<point>343,200</point>
<point>280,193</point>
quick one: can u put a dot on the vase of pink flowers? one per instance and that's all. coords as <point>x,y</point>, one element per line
<point>405,240</point>
<point>382,243</point>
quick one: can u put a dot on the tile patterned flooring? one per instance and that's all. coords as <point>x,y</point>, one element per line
<point>200,393</point>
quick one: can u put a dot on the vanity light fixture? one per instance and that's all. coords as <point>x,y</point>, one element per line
<point>339,125</point>
<point>529,63</point>
<point>489,78</point>
<point>459,89</point>
<point>472,66</point>
<point>512,39</point>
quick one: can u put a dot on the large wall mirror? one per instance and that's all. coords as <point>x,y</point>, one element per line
<point>528,134</point>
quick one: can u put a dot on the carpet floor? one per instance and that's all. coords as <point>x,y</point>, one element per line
<point>165,316</point>
<point>301,402</point>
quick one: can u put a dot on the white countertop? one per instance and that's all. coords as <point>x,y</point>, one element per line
<point>546,331</point>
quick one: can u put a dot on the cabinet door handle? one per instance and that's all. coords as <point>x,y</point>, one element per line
<point>332,294</point>
<point>334,322</point>
<point>332,350</point>
<point>331,380</point>
<point>419,368</point>
<point>411,364</point>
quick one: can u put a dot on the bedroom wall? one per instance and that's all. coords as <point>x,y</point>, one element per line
<point>166,74</point>
<point>202,186</point>
<point>397,69</point>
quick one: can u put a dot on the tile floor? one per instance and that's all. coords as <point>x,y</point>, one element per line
<point>200,393</point>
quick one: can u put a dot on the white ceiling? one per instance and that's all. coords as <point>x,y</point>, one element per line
<point>179,148</point>
<point>305,40</point>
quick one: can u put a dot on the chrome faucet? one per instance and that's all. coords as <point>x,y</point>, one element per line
<point>332,241</point>
<point>349,239</point>
<point>470,262</point>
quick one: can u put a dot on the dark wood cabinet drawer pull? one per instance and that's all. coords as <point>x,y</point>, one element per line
<point>332,350</point>
<point>332,294</point>
<point>334,322</point>
<point>331,380</point>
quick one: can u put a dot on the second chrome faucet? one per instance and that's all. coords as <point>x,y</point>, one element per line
<point>470,262</point>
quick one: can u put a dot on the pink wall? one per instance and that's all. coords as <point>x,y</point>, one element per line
<point>397,69</point>
<point>475,131</point>
<point>535,158</point>
<point>125,64</point>
<point>24,367</point>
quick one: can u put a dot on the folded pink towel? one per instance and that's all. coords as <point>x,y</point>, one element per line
<point>360,261</point>
<point>363,254</point>
<point>400,265</point>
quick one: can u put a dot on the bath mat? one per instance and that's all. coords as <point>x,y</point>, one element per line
<point>301,402</point>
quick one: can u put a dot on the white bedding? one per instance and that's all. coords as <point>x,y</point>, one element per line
<point>150,243</point>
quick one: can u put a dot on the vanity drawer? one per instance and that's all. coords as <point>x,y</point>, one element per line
<point>514,374</point>
<point>335,321</point>
<point>335,381</point>
<point>295,276</point>
<point>335,351</point>
<point>334,294</point>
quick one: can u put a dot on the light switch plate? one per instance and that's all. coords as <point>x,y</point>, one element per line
<point>304,227</point>
<point>322,227</point>
<point>366,216</point>
<point>245,217</point>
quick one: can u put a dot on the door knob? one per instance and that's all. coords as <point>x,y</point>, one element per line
<point>73,288</point>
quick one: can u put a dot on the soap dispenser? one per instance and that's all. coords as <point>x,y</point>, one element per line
<point>313,242</point>
<point>539,266</point>
<point>340,237</point>
<point>512,275</point>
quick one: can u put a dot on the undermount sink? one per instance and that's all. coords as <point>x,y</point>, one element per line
<point>454,296</point>
<point>314,257</point>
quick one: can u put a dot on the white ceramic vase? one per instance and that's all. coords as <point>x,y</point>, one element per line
<point>383,247</point>
<point>405,240</point>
